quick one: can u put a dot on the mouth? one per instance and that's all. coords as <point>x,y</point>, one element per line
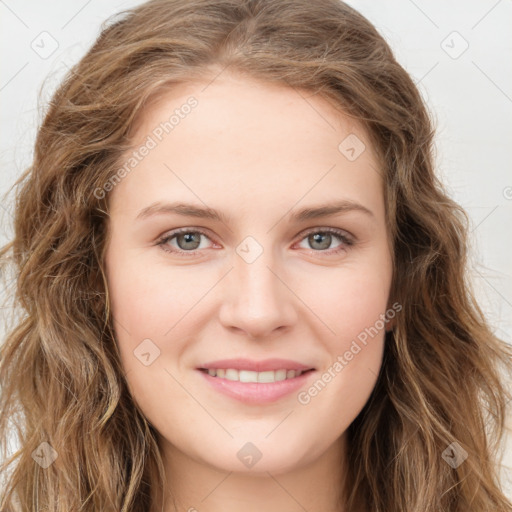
<point>256,382</point>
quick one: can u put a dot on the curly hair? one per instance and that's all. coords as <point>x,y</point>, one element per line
<point>63,386</point>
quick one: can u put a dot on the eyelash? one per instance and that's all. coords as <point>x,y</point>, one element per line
<point>346,241</point>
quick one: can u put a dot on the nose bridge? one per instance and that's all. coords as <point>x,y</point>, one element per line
<point>257,300</point>
<point>256,283</point>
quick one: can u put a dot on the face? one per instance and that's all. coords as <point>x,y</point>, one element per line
<point>249,239</point>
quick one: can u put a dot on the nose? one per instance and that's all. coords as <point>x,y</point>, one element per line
<point>257,300</point>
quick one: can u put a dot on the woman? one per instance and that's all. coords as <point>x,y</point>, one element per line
<point>242,281</point>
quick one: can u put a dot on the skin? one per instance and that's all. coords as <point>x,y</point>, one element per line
<point>258,153</point>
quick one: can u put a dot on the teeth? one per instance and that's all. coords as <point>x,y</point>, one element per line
<point>269,376</point>
<point>247,376</point>
<point>250,376</point>
<point>231,374</point>
<point>280,374</point>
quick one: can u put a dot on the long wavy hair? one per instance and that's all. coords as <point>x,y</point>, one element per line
<point>63,389</point>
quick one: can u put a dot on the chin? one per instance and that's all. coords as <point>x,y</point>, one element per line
<point>259,457</point>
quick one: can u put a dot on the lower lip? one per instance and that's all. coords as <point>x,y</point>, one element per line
<point>256,393</point>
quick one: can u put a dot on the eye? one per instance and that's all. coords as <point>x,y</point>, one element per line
<point>321,239</point>
<point>186,240</point>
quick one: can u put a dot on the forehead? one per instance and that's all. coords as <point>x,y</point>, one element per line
<point>243,139</point>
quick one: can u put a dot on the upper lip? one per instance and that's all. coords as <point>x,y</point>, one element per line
<point>255,366</point>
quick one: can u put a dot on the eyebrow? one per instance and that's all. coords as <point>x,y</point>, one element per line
<point>191,210</point>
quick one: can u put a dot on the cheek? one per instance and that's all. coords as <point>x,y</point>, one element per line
<point>347,301</point>
<point>353,354</point>
<point>153,319</point>
<point>148,298</point>
<point>145,305</point>
<point>351,304</point>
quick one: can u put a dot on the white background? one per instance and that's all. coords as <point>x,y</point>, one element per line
<point>468,93</point>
